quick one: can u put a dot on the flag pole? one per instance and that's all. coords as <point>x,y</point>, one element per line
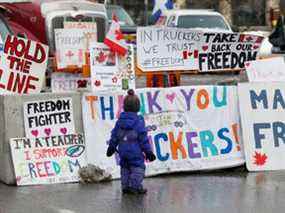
<point>146,11</point>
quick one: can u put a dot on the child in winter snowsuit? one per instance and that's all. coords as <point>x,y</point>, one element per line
<point>130,137</point>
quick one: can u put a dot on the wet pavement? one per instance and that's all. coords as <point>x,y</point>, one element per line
<point>230,192</point>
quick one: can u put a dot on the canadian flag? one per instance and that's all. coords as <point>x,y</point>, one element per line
<point>115,38</point>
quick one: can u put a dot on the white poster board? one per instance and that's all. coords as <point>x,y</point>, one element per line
<point>108,71</point>
<point>48,118</point>
<point>183,136</point>
<point>266,70</point>
<point>166,49</point>
<point>23,66</point>
<point>48,160</point>
<point>263,125</point>
<point>71,46</point>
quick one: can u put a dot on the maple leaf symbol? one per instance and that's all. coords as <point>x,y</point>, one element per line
<point>119,35</point>
<point>248,39</point>
<point>260,159</point>
<point>101,57</point>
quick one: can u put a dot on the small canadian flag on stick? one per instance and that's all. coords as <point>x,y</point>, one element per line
<point>115,38</point>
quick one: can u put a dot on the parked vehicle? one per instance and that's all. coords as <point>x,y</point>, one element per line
<point>37,19</point>
<point>196,19</point>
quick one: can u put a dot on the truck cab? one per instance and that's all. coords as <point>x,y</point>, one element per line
<point>37,19</point>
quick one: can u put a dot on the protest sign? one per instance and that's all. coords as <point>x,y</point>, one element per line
<point>263,125</point>
<point>49,117</point>
<point>183,136</point>
<point>48,160</point>
<point>67,82</point>
<point>162,49</point>
<point>71,46</point>
<point>23,65</point>
<point>108,71</point>
<point>266,70</point>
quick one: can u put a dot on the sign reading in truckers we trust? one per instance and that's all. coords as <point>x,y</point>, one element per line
<point>161,49</point>
<point>49,117</point>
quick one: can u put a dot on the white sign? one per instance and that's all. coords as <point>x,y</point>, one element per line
<point>162,49</point>
<point>23,66</point>
<point>48,160</point>
<point>110,72</point>
<point>263,125</point>
<point>48,118</point>
<point>67,82</point>
<point>183,136</point>
<point>71,47</point>
<point>266,70</point>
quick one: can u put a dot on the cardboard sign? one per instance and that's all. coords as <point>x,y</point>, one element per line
<point>266,70</point>
<point>48,160</point>
<point>162,49</point>
<point>183,136</point>
<point>71,46</point>
<point>263,125</point>
<point>23,65</point>
<point>49,117</point>
<point>66,82</point>
<point>110,73</point>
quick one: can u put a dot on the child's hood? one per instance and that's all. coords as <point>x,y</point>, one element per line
<point>128,120</point>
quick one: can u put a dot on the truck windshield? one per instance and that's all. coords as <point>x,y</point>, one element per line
<point>200,21</point>
<point>122,15</point>
<point>4,31</point>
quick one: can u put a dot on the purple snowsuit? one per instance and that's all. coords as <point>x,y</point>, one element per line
<point>130,137</point>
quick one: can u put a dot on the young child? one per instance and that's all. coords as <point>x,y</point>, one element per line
<point>130,136</point>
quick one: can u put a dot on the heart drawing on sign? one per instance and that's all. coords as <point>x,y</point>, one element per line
<point>247,64</point>
<point>35,133</point>
<point>97,83</point>
<point>81,83</point>
<point>205,48</point>
<point>47,131</point>
<point>255,47</point>
<point>171,97</point>
<point>63,130</point>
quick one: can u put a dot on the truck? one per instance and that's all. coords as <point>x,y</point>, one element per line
<point>37,19</point>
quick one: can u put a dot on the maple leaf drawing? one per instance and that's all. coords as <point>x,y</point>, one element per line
<point>101,57</point>
<point>119,35</point>
<point>260,159</point>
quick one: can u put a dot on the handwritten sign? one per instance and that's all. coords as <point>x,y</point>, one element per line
<point>263,125</point>
<point>180,131</point>
<point>48,160</point>
<point>49,117</point>
<point>162,49</point>
<point>67,82</point>
<point>266,70</point>
<point>23,65</point>
<point>71,46</point>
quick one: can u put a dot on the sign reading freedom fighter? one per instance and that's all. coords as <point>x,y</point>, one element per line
<point>49,117</point>
<point>263,125</point>
<point>48,160</point>
<point>183,136</point>
<point>162,49</point>
<point>23,65</point>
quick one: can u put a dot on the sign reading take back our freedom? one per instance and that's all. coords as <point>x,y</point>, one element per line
<point>162,49</point>
<point>23,65</point>
<point>48,160</point>
<point>48,118</point>
<point>263,125</point>
<point>183,136</point>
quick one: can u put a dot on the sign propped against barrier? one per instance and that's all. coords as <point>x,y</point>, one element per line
<point>23,65</point>
<point>71,46</point>
<point>161,49</point>
<point>181,133</point>
<point>69,82</point>
<point>108,71</point>
<point>48,160</point>
<point>48,118</point>
<point>263,125</point>
<point>266,70</point>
